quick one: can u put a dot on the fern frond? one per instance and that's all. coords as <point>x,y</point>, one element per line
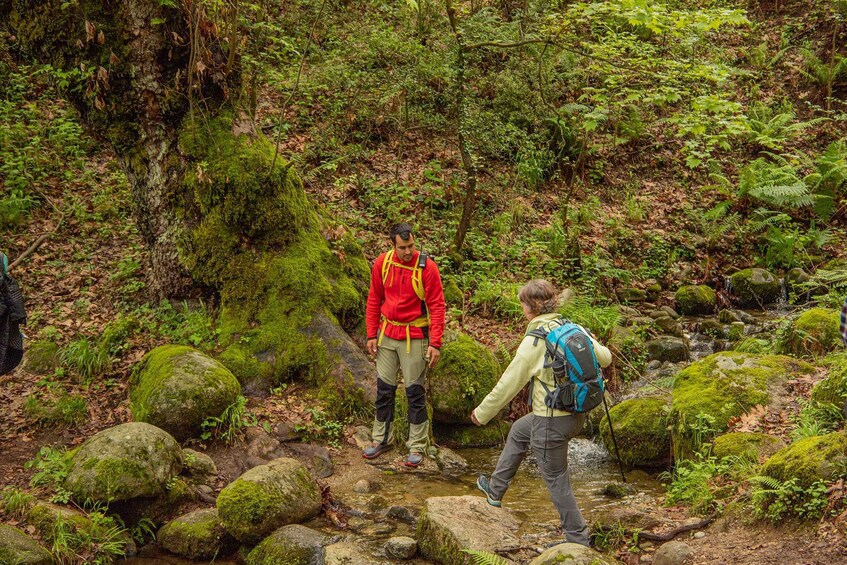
<point>485,557</point>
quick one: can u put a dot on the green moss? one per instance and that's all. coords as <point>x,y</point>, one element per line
<point>754,287</point>
<point>706,394</point>
<point>457,436</point>
<point>268,298</point>
<point>746,445</point>
<point>465,374</point>
<point>833,389</point>
<point>241,503</point>
<point>42,357</point>
<point>695,299</point>
<point>198,535</point>
<point>112,474</point>
<point>453,295</point>
<point>641,430</point>
<point>813,333</point>
<point>279,549</point>
<point>810,459</point>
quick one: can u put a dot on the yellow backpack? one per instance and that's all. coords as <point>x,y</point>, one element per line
<point>417,286</point>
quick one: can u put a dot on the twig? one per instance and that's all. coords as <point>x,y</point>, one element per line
<point>36,244</point>
<point>667,536</point>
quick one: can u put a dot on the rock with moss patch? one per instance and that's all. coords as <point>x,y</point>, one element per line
<point>199,467</point>
<point>268,497</point>
<point>572,554</point>
<point>176,388</point>
<point>196,535</point>
<point>631,295</point>
<point>127,461</point>
<point>465,373</point>
<point>452,293</point>
<point>809,459</point>
<point>42,357</point>
<point>747,445</point>
<point>755,287</point>
<point>695,299</point>
<point>813,333</point>
<point>17,548</point>
<point>712,327</point>
<point>469,435</point>
<point>348,553</point>
<point>641,431</point>
<point>666,348</point>
<point>449,524</point>
<point>293,545</point>
<point>708,393</point>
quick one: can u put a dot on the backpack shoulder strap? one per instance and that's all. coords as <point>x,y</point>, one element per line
<point>386,264</point>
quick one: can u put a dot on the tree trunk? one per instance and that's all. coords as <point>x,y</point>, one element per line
<point>157,84</point>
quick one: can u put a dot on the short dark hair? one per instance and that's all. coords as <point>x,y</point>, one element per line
<point>402,229</point>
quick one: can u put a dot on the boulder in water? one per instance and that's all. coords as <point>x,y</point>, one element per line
<point>268,497</point>
<point>641,431</point>
<point>293,545</point>
<point>465,373</point>
<point>449,524</point>
<point>695,299</point>
<point>197,535</point>
<point>666,348</point>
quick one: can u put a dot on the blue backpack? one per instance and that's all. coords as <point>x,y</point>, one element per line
<point>577,375</point>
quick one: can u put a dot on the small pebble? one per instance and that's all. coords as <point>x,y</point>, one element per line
<point>699,535</point>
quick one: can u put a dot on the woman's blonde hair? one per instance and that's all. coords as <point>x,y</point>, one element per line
<point>540,296</point>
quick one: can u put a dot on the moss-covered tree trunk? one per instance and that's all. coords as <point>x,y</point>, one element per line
<point>158,82</point>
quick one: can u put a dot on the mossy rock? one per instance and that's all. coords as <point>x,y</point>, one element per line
<point>293,545</point>
<point>52,521</point>
<point>712,327</point>
<point>268,497</point>
<point>127,461</point>
<point>198,467</point>
<point>641,431</point>
<point>449,524</point>
<point>810,459</point>
<point>695,300</point>
<point>755,287</point>
<point>833,389</point>
<point>572,554</point>
<point>708,393</point>
<point>470,435</point>
<point>631,295</point>
<point>667,348</point>
<point>813,333</point>
<point>16,548</point>
<point>42,357</point>
<point>465,374</point>
<point>176,388</point>
<point>746,445</point>
<point>197,535</point>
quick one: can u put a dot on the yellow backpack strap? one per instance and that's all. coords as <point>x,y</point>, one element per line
<point>386,265</point>
<point>417,277</point>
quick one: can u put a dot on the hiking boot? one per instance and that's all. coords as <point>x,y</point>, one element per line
<point>414,459</point>
<point>482,484</point>
<point>374,451</point>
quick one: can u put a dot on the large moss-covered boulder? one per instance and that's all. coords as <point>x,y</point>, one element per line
<point>268,497</point>
<point>572,554</point>
<point>755,287</point>
<point>465,373</point>
<point>73,526</point>
<point>470,435</point>
<point>833,389</point>
<point>292,544</point>
<point>176,388</point>
<point>16,548</point>
<point>695,299</point>
<point>124,462</point>
<point>197,535</point>
<point>449,524</point>
<point>641,431</point>
<point>751,446</point>
<point>708,393</point>
<point>809,459</point>
<point>814,332</point>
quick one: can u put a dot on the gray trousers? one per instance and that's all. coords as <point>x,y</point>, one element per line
<point>548,438</point>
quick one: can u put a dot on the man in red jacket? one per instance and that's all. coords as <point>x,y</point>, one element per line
<point>405,322</point>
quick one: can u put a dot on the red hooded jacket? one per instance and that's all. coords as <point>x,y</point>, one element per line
<point>396,300</point>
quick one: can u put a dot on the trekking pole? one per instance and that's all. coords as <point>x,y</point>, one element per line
<point>614,441</point>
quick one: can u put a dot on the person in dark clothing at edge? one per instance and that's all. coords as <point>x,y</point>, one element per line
<point>545,431</point>
<point>843,327</point>
<point>405,323</point>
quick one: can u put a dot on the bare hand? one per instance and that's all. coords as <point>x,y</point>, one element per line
<point>432,355</point>
<point>473,418</point>
<point>371,347</point>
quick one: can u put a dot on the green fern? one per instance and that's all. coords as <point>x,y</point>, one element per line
<point>485,557</point>
<point>829,178</point>
<point>772,128</point>
<point>775,184</point>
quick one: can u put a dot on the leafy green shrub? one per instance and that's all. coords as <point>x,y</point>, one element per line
<point>52,467</point>
<point>230,424</point>
<point>68,409</point>
<point>775,500</point>
<point>15,502</point>
<point>601,320</point>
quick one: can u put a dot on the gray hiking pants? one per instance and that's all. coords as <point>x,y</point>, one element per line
<point>548,438</point>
